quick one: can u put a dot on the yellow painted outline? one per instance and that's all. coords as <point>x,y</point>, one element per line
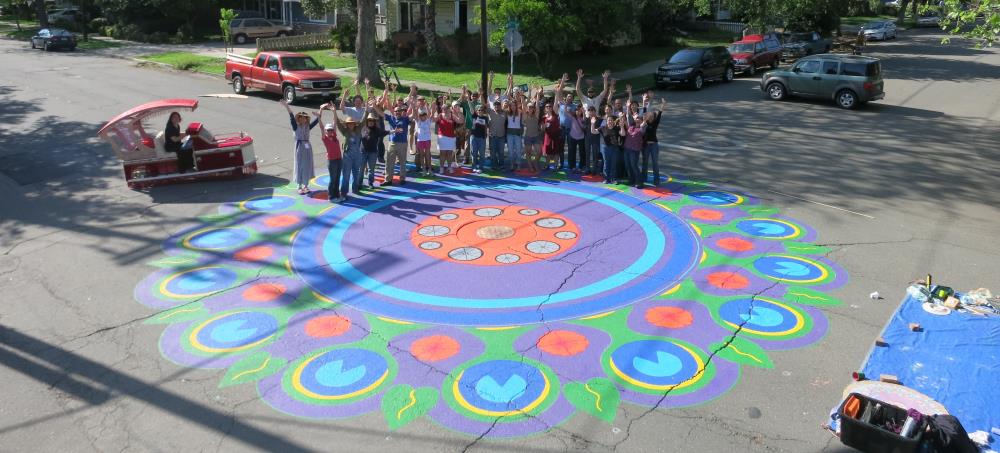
<point>799,322</point>
<point>696,228</point>
<point>297,383</point>
<point>243,204</point>
<point>394,321</point>
<point>193,337</point>
<point>824,273</point>
<point>164,290</point>
<point>261,367</point>
<point>599,315</point>
<point>672,290</point>
<point>596,395</point>
<point>188,310</point>
<point>753,357</point>
<point>461,400</point>
<point>496,328</point>
<point>806,296</point>
<point>186,243</point>
<point>700,364</point>
<point>739,198</point>
<point>796,231</point>
<point>413,401</point>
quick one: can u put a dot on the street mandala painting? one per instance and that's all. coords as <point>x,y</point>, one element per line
<point>488,304</point>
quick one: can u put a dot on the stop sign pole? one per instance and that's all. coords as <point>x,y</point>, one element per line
<point>513,41</point>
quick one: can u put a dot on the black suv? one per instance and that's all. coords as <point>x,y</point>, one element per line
<point>693,66</point>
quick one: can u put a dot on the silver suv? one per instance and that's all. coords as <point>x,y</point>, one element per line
<point>848,80</point>
<point>245,29</point>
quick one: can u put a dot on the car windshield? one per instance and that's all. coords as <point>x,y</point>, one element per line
<point>740,47</point>
<point>874,25</point>
<point>686,57</point>
<point>59,32</point>
<point>299,63</point>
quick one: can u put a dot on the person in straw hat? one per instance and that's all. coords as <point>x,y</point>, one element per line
<point>302,168</point>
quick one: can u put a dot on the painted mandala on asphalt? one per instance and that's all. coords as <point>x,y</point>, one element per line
<point>490,304</point>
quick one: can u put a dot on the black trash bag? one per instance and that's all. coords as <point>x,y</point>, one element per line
<point>947,435</point>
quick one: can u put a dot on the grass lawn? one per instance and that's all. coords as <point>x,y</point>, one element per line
<point>187,61</point>
<point>326,58</point>
<point>24,34</point>
<point>96,44</point>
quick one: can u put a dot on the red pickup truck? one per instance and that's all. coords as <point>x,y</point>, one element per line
<point>293,75</point>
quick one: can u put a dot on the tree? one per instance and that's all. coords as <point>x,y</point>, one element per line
<point>548,31</point>
<point>226,17</point>
<point>980,22</point>
<point>820,15</point>
<point>430,27</point>
<point>16,7</point>
<point>364,41</point>
<point>43,16</point>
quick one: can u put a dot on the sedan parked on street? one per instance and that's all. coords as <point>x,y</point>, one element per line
<point>848,80</point>
<point>244,30</point>
<point>693,66</point>
<point>53,38</point>
<point>929,19</point>
<point>879,30</point>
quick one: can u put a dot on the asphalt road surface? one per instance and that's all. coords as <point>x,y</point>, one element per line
<point>901,188</point>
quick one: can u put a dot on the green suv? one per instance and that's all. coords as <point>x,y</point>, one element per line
<point>848,80</point>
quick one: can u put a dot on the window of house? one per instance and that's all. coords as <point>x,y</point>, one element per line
<point>411,16</point>
<point>319,19</point>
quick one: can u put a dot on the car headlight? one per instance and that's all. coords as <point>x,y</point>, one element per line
<point>741,61</point>
<point>306,84</point>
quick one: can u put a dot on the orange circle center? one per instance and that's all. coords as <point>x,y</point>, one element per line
<point>669,317</point>
<point>728,280</point>
<point>280,221</point>
<point>327,326</point>
<point>255,253</point>
<point>495,235</point>
<point>434,348</point>
<point>735,244</point>
<point>264,292</point>
<point>706,214</point>
<point>563,343</point>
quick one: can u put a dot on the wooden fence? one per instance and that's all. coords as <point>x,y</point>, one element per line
<point>299,42</point>
<point>735,28</point>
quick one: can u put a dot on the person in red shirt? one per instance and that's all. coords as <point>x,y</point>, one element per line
<point>334,156</point>
<point>447,122</point>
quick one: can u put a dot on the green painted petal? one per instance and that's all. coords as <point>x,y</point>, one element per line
<point>403,404</point>
<point>744,352</point>
<point>761,211</point>
<point>173,262</point>
<point>803,248</point>
<point>252,368</point>
<point>806,296</point>
<point>598,397</point>
<point>183,313</point>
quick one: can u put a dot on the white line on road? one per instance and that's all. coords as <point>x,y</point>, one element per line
<point>821,204</point>
<point>697,150</point>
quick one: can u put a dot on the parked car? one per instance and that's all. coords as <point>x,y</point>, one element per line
<point>802,44</point>
<point>72,15</point>
<point>879,30</point>
<point>693,66</point>
<point>244,29</point>
<point>929,19</point>
<point>755,51</point>
<point>53,38</point>
<point>848,80</point>
<point>293,75</point>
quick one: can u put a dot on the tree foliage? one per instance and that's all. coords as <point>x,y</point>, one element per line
<point>820,15</point>
<point>226,17</point>
<point>980,22</point>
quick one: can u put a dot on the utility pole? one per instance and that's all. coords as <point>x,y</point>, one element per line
<point>483,30</point>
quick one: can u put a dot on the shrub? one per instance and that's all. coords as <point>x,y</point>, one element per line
<point>98,23</point>
<point>343,35</point>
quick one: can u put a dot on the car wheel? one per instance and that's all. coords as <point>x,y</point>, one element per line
<point>282,34</point>
<point>241,38</point>
<point>698,82</point>
<point>729,75</point>
<point>774,63</point>
<point>238,86</point>
<point>776,91</point>
<point>752,71</point>
<point>289,94</point>
<point>33,46</point>
<point>45,46</point>
<point>846,99</point>
<point>72,49</point>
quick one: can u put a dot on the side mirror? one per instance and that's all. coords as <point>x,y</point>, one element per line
<point>796,69</point>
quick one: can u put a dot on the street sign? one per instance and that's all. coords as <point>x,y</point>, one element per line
<point>513,40</point>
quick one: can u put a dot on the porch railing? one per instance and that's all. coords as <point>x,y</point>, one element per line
<point>299,42</point>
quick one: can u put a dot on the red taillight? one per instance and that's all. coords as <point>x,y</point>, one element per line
<point>869,86</point>
<point>148,142</point>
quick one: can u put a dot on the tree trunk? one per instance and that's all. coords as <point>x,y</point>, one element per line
<point>914,2</point>
<point>430,28</point>
<point>43,16</point>
<point>901,15</point>
<point>364,44</point>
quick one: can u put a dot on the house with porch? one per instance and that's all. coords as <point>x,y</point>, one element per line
<point>290,12</point>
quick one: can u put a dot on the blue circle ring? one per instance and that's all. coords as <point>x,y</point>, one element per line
<point>686,251</point>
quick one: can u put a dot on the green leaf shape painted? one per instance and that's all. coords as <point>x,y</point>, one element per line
<point>744,352</point>
<point>762,211</point>
<point>803,248</point>
<point>252,368</point>
<point>183,313</point>
<point>598,397</point>
<point>403,404</point>
<point>806,296</point>
<point>174,262</point>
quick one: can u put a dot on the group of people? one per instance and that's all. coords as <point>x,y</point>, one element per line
<point>598,135</point>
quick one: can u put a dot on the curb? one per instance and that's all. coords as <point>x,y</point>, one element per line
<point>171,67</point>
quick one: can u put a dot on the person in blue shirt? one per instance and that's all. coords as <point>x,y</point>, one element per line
<point>567,108</point>
<point>400,126</point>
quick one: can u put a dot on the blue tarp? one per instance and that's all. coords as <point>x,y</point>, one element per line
<point>954,359</point>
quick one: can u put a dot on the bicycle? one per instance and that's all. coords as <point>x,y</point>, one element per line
<point>387,73</point>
